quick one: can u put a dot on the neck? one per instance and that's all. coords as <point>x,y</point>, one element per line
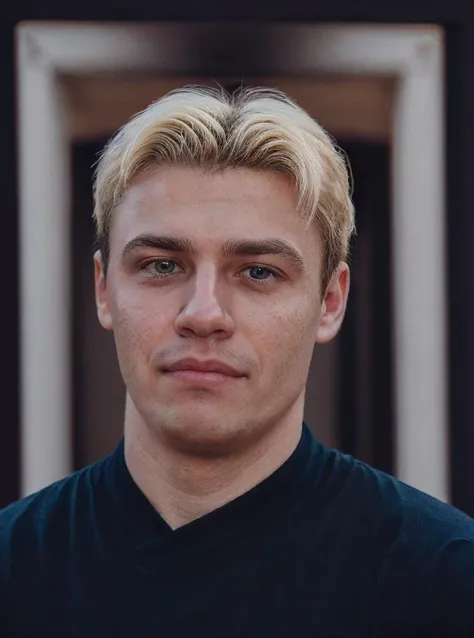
<point>182,487</point>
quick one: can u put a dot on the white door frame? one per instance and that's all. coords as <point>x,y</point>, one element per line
<point>413,54</point>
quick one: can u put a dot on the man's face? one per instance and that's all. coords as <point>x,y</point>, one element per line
<point>215,268</point>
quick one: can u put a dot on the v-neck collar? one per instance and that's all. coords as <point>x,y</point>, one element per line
<point>147,532</point>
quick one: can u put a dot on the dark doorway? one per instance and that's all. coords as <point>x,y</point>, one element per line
<point>366,420</point>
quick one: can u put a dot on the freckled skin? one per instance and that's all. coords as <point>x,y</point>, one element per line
<point>212,306</point>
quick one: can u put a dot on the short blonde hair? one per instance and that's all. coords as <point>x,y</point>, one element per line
<point>256,128</point>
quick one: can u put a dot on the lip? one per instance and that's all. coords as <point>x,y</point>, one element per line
<point>202,368</point>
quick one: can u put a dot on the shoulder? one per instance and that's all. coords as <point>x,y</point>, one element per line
<point>29,522</point>
<point>407,531</point>
<point>372,496</point>
<point>422,548</point>
<point>419,550</point>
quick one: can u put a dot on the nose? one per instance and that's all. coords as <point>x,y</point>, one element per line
<point>204,314</point>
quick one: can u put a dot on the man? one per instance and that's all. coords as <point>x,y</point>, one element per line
<point>223,226</point>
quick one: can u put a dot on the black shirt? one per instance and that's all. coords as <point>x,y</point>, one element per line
<point>325,547</point>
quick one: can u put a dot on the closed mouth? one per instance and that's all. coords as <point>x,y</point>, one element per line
<point>211,366</point>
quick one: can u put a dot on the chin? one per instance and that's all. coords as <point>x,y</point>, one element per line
<point>202,432</point>
<point>201,440</point>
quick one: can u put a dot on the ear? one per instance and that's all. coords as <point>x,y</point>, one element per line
<point>334,304</point>
<point>101,298</point>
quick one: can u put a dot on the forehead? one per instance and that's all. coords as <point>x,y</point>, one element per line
<point>211,207</point>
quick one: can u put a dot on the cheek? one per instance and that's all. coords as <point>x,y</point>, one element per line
<point>285,339</point>
<point>139,321</point>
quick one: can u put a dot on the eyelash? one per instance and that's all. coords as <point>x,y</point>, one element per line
<point>259,282</point>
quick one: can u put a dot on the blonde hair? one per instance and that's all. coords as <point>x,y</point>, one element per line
<point>256,128</point>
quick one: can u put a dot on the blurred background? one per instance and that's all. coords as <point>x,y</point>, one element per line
<point>392,389</point>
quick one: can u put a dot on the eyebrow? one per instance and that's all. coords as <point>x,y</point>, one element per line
<point>232,247</point>
<point>243,247</point>
<point>170,244</point>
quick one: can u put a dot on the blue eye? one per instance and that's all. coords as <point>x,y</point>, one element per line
<point>164,266</point>
<point>261,273</point>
